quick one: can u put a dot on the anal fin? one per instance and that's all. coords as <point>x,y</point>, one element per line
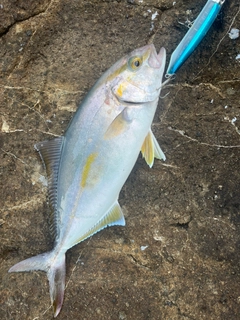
<point>114,217</point>
<point>151,149</point>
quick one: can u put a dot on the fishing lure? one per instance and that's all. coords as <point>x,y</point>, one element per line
<point>194,35</point>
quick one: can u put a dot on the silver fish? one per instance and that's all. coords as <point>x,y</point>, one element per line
<point>88,166</point>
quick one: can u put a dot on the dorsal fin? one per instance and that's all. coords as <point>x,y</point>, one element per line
<point>50,152</point>
<point>151,149</point>
<point>113,217</point>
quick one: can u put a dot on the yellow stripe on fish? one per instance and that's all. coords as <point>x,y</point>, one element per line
<point>117,72</point>
<point>86,168</point>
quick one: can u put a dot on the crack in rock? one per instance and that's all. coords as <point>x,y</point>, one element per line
<point>40,12</point>
<point>182,133</point>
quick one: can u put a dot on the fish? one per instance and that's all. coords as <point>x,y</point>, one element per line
<point>87,166</point>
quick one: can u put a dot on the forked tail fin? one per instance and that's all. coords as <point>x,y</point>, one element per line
<point>54,266</point>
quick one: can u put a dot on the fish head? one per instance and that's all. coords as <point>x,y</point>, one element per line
<point>138,76</point>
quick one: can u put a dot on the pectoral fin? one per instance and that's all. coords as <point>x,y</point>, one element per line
<point>151,149</point>
<point>119,124</point>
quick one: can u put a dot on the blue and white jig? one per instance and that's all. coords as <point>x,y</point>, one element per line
<point>194,35</point>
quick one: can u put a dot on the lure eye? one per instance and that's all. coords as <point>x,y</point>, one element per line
<point>135,63</point>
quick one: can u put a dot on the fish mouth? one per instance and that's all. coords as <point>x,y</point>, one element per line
<point>135,103</point>
<point>155,60</point>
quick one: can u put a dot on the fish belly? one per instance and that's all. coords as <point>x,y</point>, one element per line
<point>93,171</point>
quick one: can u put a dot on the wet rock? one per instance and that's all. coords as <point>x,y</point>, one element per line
<point>184,212</point>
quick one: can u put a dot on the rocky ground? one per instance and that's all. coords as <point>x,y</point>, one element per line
<point>178,256</point>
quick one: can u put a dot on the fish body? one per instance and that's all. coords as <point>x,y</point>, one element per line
<point>88,166</point>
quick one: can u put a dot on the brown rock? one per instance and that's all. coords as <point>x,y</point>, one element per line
<point>50,55</point>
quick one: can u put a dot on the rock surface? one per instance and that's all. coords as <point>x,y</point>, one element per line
<point>178,256</point>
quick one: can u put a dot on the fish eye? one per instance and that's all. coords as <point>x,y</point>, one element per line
<point>134,63</point>
<point>137,63</point>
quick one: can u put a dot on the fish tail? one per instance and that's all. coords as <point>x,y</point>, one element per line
<point>54,266</point>
<point>56,277</point>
